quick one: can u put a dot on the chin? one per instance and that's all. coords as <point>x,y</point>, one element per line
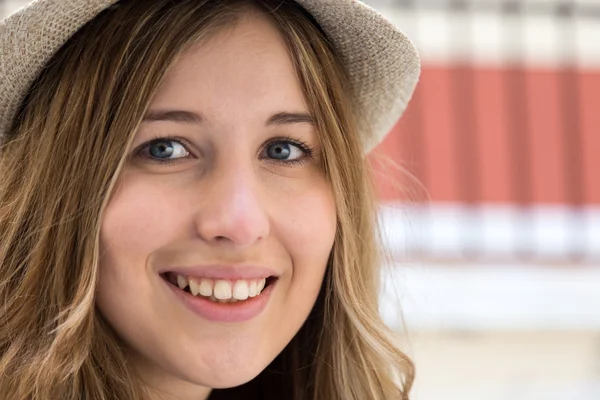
<point>231,377</point>
<point>221,374</point>
<point>227,382</point>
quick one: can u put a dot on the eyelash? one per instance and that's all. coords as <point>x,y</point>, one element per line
<point>309,151</point>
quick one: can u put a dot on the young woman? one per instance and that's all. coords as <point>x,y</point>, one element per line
<point>185,207</point>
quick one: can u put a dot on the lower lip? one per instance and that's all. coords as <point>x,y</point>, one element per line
<point>224,312</point>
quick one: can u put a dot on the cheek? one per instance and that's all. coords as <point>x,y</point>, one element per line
<point>310,231</point>
<point>306,226</point>
<point>135,223</point>
<point>304,217</point>
<point>136,220</point>
<point>139,219</point>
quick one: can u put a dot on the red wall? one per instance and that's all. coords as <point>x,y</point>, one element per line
<point>500,136</point>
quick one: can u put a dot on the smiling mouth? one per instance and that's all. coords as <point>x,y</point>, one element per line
<point>219,290</point>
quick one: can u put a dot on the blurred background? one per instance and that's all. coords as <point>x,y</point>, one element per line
<point>496,251</point>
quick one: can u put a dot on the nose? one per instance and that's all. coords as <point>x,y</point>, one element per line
<point>231,208</point>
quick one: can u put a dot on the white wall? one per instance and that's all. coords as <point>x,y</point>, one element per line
<point>486,36</point>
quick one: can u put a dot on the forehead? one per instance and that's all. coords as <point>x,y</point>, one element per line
<point>245,67</point>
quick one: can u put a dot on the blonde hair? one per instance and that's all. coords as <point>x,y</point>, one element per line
<point>59,163</point>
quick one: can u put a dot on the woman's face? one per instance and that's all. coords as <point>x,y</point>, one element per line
<point>230,195</point>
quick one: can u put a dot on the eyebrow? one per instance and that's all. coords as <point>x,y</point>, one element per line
<point>285,118</point>
<point>190,117</point>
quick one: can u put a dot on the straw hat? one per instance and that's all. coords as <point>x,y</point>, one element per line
<point>382,63</point>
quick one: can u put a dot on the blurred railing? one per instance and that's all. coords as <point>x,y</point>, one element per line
<point>503,131</point>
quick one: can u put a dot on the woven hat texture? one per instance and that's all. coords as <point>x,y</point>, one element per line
<point>382,63</point>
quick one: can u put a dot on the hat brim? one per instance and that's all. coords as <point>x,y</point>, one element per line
<point>382,63</point>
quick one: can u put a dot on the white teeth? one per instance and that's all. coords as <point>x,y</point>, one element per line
<point>222,290</point>
<point>252,289</point>
<point>261,285</point>
<point>181,282</point>
<point>194,287</point>
<point>240,290</point>
<point>217,290</point>
<point>206,288</point>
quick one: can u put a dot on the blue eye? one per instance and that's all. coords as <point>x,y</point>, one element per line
<point>163,150</point>
<point>288,150</point>
<point>284,151</point>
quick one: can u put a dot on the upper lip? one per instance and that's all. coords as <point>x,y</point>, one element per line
<point>223,271</point>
